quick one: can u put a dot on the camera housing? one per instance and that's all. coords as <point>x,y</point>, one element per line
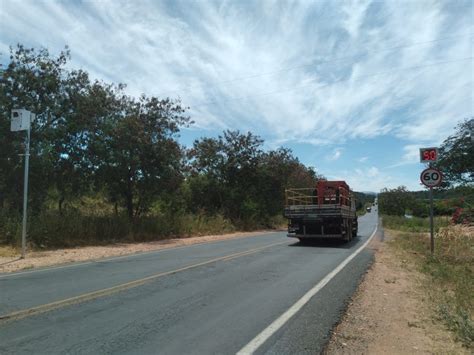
<point>21,119</point>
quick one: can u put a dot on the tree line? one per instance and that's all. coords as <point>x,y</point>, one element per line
<point>92,139</point>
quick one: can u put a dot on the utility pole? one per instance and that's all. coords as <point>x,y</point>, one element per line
<point>25,194</point>
<point>21,121</point>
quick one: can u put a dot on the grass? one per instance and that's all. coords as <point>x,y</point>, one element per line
<point>450,271</point>
<point>414,224</point>
<point>8,251</point>
<point>74,228</point>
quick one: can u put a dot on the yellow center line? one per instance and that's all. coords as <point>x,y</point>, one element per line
<point>125,286</point>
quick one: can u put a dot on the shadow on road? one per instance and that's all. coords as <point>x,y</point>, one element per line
<point>327,243</point>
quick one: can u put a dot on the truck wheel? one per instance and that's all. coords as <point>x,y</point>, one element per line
<point>349,232</point>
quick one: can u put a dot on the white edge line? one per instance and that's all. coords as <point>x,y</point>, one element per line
<point>261,338</point>
<point>113,258</point>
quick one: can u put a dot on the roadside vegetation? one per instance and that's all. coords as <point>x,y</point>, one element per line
<point>414,224</point>
<point>108,167</point>
<point>450,271</point>
<point>450,282</point>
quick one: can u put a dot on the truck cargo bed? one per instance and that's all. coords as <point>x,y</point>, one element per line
<point>324,211</point>
<point>317,211</point>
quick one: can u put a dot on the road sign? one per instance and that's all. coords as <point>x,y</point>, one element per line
<point>428,155</point>
<point>431,177</point>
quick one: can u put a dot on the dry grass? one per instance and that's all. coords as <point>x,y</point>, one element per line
<point>7,251</point>
<point>456,244</point>
<point>450,285</point>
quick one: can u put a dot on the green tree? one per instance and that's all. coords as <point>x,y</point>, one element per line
<point>230,166</point>
<point>136,152</point>
<point>233,174</point>
<point>280,170</point>
<point>38,82</point>
<point>395,201</point>
<point>457,155</point>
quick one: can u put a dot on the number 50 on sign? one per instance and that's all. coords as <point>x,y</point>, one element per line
<point>428,155</point>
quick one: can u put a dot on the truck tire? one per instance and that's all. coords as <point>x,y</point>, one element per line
<point>355,226</point>
<point>349,232</point>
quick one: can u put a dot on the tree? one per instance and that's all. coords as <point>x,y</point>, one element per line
<point>88,136</point>
<point>394,201</point>
<point>38,82</point>
<point>233,174</point>
<point>136,153</point>
<point>457,155</point>
<point>230,166</point>
<point>280,170</point>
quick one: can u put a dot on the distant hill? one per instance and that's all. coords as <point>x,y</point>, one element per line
<point>369,193</point>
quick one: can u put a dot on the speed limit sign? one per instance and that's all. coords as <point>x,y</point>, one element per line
<point>431,177</point>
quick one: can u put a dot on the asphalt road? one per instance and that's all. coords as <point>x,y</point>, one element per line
<point>202,299</point>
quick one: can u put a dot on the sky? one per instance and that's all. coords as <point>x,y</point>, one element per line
<point>354,88</point>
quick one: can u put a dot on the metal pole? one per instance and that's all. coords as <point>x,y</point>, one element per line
<point>25,195</point>
<point>431,222</point>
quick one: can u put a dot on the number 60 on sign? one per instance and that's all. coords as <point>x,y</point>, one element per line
<point>431,177</point>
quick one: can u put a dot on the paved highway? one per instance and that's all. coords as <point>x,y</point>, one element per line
<point>215,298</point>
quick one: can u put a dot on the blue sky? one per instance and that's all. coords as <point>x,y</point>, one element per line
<point>353,87</point>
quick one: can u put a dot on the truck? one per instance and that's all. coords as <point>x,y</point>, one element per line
<point>326,210</point>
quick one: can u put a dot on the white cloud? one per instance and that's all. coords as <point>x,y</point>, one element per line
<point>315,72</point>
<point>335,155</point>
<point>354,12</point>
<point>365,179</point>
<point>372,172</point>
<point>374,179</point>
<point>411,155</point>
<point>362,159</point>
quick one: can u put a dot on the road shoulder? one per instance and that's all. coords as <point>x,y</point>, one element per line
<point>389,312</point>
<point>41,259</point>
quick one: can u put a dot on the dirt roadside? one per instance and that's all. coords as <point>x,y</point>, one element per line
<point>389,313</point>
<point>11,262</point>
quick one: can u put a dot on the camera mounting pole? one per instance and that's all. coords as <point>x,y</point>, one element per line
<point>20,121</point>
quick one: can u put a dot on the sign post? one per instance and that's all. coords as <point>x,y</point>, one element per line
<point>20,121</point>
<point>431,223</point>
<point>430,177</point>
